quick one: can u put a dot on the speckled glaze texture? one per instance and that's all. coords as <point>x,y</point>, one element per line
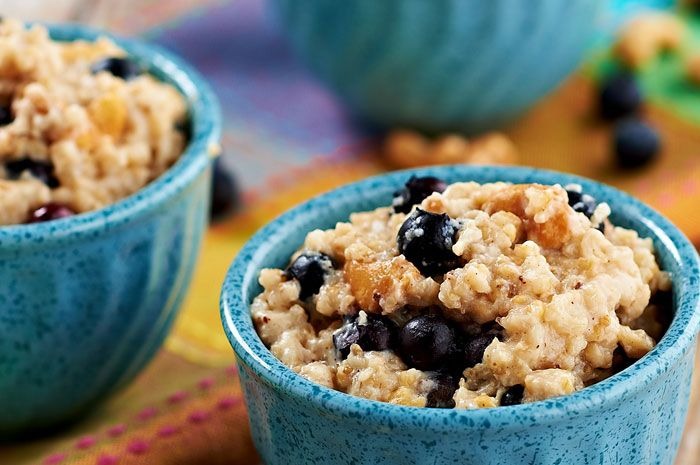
<point>86,301</point>
<point>635,417</point>
<point>442,64</point>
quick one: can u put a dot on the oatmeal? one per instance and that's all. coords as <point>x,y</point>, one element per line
<point>80,125</point>
<point>466,296</point>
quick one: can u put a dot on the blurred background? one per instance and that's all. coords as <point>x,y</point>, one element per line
<point>320,93</point>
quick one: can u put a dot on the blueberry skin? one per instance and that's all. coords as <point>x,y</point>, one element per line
<point>513,395</point>
<point>415,191</point>
<point>426,240</point>
<point>619,97</point>
<point>310,269</point>
<point>582,203</point>
<point>635,143</point>
<point>442,393</point>
<point>6,116</point>
<point>224,192</point>
<point>42,170</point>
<point>120,67</point>
<point>377,333</point>
<point>476,346</point>
<point>429,343</point>
<point>49,212</point>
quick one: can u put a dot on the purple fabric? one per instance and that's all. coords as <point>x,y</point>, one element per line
<point>276,115</point>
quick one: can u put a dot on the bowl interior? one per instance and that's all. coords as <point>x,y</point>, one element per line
<point>274,244</point>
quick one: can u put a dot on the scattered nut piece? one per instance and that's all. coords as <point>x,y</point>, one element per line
<point>642,38</point>
<point>450,148</point>
<point>408,149</point>
<point>495,149</point>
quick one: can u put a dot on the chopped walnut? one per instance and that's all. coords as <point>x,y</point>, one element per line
<point>408,149</point>
<point>646,35</point>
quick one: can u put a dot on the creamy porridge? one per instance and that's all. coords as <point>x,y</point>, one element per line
<point>81,126</point>
<point>466,296</point>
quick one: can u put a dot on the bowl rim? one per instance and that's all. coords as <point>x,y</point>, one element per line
<point>205,121</point>
<point>252,353</point>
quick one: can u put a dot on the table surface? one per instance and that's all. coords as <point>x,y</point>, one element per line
<point>288,139</point>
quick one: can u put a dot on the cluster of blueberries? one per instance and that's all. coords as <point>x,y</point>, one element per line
<point>224,192</point>
<point>635,143</point>
<point>428,342</point>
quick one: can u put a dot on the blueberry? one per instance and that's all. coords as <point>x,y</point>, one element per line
<point>426,240</point>
<point>369,331</point>
<point>415,190</point>
<point>582,203</point>
<point>42,170</point>
<point>476,346</point>
<point>635,143</point>
<point>441,395</point>
<point>429,343</point>
<point>117,66</point>
<point>619,96</point>
<point>50,211</point>
<point>310,269</point>
<point>6,116</point>
<point>184,127</point>
<point>224,192</point>
<point>513,395</point>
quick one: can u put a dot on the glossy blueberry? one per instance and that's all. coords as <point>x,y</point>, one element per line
<point>476,346</point>
<point>42,170</point>
<point>582,203</point>
<point>6,116</point>
<point>224,191</point>
<point>620,96</point>
<point>310,269</point>
<point>426,240</point>
<point>429,343</point>
<point>513,395</point>
<point>635,143</point>
<point>369,331</point>
<point>117,66</point>
<point>49,212</point>
<point>415,190</point>
<point>441,395</point>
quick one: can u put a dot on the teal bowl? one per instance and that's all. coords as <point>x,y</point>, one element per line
<point>633,417</point>
<point>86,301</point>
<point>465,65</point>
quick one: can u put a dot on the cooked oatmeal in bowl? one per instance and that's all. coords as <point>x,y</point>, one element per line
<point>466,295</point>
<point>88,299</point>
<point>81,125</point>
<point>401,346</point>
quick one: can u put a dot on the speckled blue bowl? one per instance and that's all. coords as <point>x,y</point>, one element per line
<point>634,417</point>
<point>86,301</point>
<point>438,65</point>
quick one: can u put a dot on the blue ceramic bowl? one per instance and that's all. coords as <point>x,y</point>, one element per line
<point>465,65</point>
<point>86,301</point>
<point>634,417</point>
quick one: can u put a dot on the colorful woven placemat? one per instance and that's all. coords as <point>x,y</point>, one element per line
<point>288,139</point>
